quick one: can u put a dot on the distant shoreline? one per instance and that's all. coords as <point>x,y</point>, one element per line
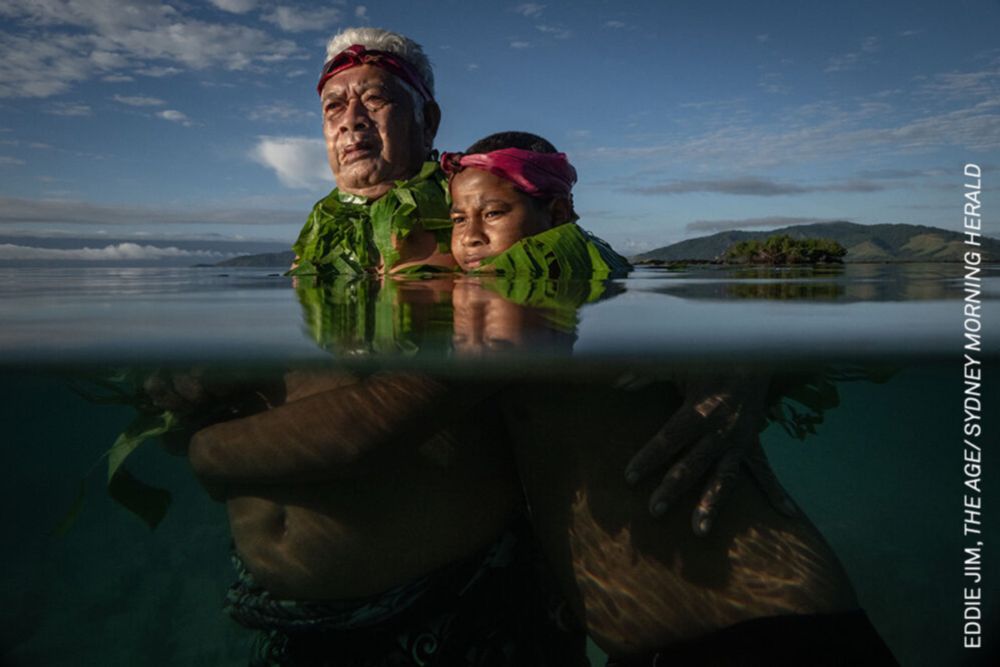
<point>876,244</point>
<point>711,262</point>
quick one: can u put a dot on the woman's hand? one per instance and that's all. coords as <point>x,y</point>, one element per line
<point>714,432</point>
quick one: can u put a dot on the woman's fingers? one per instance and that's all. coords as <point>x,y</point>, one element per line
<point>717,491</point>
<point>683,475</point>
<point>708,437</point>
<point>676,435</point>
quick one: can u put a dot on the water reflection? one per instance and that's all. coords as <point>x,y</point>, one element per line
<point>461,316</point>
<point>50,282</point>
<point>59,316</point>
<point>364,317</point>
<point>848,283</point>
<point>487,323</point>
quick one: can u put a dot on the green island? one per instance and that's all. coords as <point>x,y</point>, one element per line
<point>781,249</point>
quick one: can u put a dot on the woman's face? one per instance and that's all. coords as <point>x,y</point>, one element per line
<point>372,137</point>
<point>486,324</point>
<point>489,215</point>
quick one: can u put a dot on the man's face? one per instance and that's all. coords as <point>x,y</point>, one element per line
<point>371,136</point>
<point>489,215</point>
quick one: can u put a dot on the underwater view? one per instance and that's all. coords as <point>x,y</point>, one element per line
<point>120,552</point>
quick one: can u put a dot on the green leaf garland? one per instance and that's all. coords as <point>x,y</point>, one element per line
<point>565,251</point>
<point>345,236</point>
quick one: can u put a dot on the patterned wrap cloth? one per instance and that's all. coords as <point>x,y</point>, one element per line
<point>495,608</point>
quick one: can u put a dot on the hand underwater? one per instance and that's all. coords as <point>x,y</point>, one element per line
<point>198,397</point>
<point>714,431</point>
<point>198,391</point>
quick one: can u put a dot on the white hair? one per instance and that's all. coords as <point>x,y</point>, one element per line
<point>384,40</point>
<point>391,42</point>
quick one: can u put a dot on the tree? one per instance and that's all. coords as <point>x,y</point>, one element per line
<point>783,249</point>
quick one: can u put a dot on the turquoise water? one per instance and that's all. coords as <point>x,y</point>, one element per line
<point>881,478</point>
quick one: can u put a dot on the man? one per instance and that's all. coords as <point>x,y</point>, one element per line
<point>379,123</point>
<point>375,519</point>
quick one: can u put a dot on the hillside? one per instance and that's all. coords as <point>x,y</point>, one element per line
<point>864,243</point>
<point>283,259</point>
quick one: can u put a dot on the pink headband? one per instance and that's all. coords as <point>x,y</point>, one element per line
<point>534,174</point>
<point>357,55</point>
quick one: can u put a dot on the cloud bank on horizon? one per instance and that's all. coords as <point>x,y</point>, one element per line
<point>201,118</point>
<point>109,253</point>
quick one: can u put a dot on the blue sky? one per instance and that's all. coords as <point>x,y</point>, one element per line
<point>142,129</point>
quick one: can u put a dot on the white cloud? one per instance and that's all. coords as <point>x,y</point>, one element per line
<point>199,45</point>
<point>115,35</point>
<point>519,44</point>
<point>631,246</point>
<point>138,100</point>
<point>158,72</point>
<point>854,59</point>
<point>299,162</point>
<point>106,60</point>
<point>816,133</point>
<point>555,31</point>
<point>614,25</point>
<point>361,12</point>
<point>529,9</point>
<point>773,82</point>
<point>120,251</point>
<point>235,6</point>
<point>963,85</point>
<point>174,116</point>
<point>753,186</point>
<point>744,223</point>
<point>975,128</point>
<point>8,161</point>
<point>32,68</point>
<point>291,19</point>
<point>17,212</point>
<point>69,109</point>
<point>279,111</point>
<point>763,37</point>
<point>117,78</point>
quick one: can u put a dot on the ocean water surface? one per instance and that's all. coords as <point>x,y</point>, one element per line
<point>881,477</point>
